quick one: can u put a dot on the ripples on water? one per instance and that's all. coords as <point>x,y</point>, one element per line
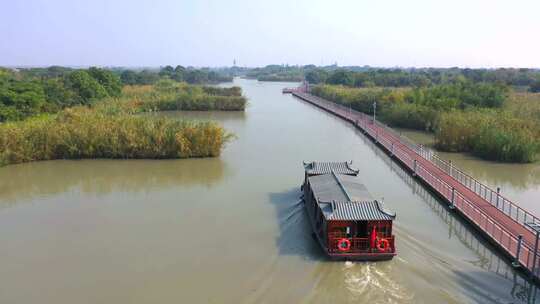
<point>371,282</point>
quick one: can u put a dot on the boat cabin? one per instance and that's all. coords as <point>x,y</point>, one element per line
<point>346,220</point>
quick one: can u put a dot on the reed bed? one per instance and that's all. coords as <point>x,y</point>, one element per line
<point>172,96</point>
<point>493,135</point>
<point>83,132</point>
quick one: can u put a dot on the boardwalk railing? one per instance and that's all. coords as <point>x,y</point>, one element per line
<point>500,219</point>
<point>493,197</point>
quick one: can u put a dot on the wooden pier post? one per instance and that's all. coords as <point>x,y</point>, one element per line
<point>452,205</point>
<point>535,254</point>
<point>515,263</point>
<point>498,195</point>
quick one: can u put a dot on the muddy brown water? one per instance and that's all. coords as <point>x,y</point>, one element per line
<point>232,229</point>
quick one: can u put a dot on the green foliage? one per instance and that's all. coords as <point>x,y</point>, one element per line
<point>19,99</point>
<point>316,76</point>
<point>277,73</point>
<point>58,94</point>
<point>358,99</point>
<point>110,82</point>
<point>85,86</point>
<point>461,94</point>
<point>411,116</point>
<point>179,74</point>
<point>419,105</point>
<point>35,91</point>
<point>129,77</point>
<point>196,76</point>
<point>535,87</point>
<point>377,77</point>
<point>342,77</point>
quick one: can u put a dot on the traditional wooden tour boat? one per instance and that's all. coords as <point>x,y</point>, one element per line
<point>348,223</point>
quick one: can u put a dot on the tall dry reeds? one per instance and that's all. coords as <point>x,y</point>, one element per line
<point>82,132</point>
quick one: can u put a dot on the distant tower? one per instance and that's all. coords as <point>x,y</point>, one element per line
<point>234,62</point>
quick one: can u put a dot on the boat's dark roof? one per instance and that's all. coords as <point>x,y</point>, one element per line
<point>318,168</point>
<point>339,188</point>
<point>343,197</point>
<point>357,211</point>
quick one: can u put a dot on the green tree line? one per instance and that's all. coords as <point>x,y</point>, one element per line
<point>356,76</point>
<point>178,73</point>
<point>422,77</point>
<point>23,94</point>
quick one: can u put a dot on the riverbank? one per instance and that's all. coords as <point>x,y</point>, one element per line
<point>483,119</point>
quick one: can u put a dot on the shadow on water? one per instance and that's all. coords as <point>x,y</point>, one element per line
<point>484,289</point>
<point>522,289</point>
<point>26,181</point>
<point>295,233</point>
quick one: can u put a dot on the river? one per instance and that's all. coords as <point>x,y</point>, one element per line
<point>232,229</point>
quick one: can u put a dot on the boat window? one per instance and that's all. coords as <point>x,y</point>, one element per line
<point>338,231</point>
<point>362,229</point>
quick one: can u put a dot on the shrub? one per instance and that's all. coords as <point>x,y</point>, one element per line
<point>412,116</point>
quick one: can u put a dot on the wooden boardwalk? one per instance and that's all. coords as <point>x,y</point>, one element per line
<point>501,221</point>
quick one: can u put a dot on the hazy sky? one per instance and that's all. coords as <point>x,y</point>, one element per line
<point>465,33</point>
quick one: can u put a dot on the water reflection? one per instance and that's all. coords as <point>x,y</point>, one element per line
<point>26,181</point>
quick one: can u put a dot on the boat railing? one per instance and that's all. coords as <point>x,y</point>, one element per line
<point>358,244</point>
